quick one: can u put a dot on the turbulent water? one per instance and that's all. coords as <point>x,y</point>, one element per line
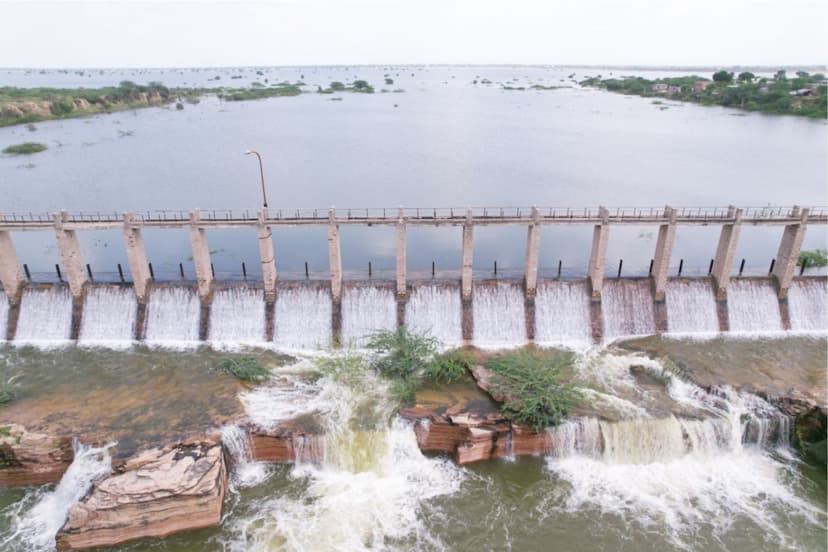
<point>808,306</point>
<point>435,310</point>
<point>35,520</point>
<point>365,310</point>
<point>45,316</point>
<point>110,317</point>
<point>752,307</point>
<point>627,308</point>
<point>237,317</point>
<point>691,307</point>
<point>4,314</point>
<point>173,317</point>
<point>302,318</point>
<point>562,313</point>
<point>499,317</point>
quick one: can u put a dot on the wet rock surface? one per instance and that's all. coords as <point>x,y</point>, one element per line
<point>156,493</point>
<point>32,458</point>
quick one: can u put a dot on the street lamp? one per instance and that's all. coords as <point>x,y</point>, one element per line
<point>261,171</point>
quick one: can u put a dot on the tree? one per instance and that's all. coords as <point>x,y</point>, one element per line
<point>722,76</point>
<point>780,75</point>
<point>802,74</point>
<point>336,85</point>
<point>746,76</point>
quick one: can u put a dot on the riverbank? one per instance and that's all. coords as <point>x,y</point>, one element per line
<point>805,95</point>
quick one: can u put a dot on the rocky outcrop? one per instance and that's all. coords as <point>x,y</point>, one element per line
<point>156,493</point>
<point>28,458</point>
<point>287,442</point>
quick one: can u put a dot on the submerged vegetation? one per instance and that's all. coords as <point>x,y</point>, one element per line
<point>804,94</point>
<point>813,258</point>
<point>535,385</point>
<point>245,368</point>
<point>25,148</point>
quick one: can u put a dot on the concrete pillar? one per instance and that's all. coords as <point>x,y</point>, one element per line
<point>726,250</point>
<point>468,250</point>
<point>335,257</point>
<point>10,274</point>
<point>788,254</point>
<point>663,253</point>
<point>532,255</point>
<point>598,256</point>
<point>402,269</point>
<point>201,257</point>
<point>267,256</point>
<point>137,258</point>
<point>70,254</point>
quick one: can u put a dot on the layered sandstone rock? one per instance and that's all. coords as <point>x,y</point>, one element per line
<point>28,458</point>
<point>287,442</point>
<point>157,493</point>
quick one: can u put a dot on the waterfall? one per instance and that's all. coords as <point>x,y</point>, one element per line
<point>367,309</point>
<point>173,315</point>
<point>302,318</point>
<point>752,306</point>
<point>627,308</point>
<point>499,316</point>
<point>108,316</point>
<point>369,490</point>
<point>4,314</point>
<point>435,310</point>
<point>245,472</point>
<point>45,316</point>
<point>37,518</point>
<point>237,317</point>
<point>691,307</point>
<point>562,314</point>
<point>808,305</point>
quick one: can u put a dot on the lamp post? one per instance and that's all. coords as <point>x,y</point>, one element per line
<point>261,171</point>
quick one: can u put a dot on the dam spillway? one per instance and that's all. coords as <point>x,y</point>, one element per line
<point>303,316</point>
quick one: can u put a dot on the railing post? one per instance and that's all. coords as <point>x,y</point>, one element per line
<point>136,257</point>
<point>10,274</point>
<point>468,250</point>
<point>201,257</point>
<point>598,256</point>
<point>402,276</point>
<point>723,263</point>
<point>532,254</point>
<point>335,257</point>
<point>663,253</point>
<point>267,256</point>
<point>788,253</point>
<point>70,254</point>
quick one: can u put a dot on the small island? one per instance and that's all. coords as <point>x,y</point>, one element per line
<point>803,95</point>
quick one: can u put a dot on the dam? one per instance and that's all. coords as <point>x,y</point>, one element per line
<point>598,308</point>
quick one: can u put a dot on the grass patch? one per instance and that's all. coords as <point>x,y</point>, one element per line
<point>26,148</point>
<point>535,385</point>
<point>245,368</point>
<point>259,93</point>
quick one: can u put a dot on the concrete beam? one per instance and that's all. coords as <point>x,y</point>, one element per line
<point>725,252</point>
<point>137,258</point>
<point>598,255</point>
<point>335,258</point>
<point>468,251</point>
<point>663,253</point>
<point>201,257</point>
<point>402,268</point>
<point>788,255</point>
<point>532,255</point>
<point>70,254</point>
<point>268,257</point>
<point>10,274</point>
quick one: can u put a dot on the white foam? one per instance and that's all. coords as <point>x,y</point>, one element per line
<point>499,316</point>
<point>435,310</point>
<point>302,318</point>
<point>4,314</point>
<point>45,318</point>
<point>108,317</point>
<point>562,314</point>
<point>237,318</point>
<point>365,310</point>
<point>627,308</point>
<point>808,305</point>
<point>752,307</point>
<point>691,307</point>
<point>173,315</point>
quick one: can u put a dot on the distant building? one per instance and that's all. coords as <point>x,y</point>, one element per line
<point>660,88</point>
<point>673,90</point>
<point>763,88</point>
<point>801,92</point>
<point>701,86</point>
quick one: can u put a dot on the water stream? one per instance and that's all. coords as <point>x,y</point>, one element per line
<point>108,317</point>
<point>173,315</point>
<point>45,317</point>
<point>237,317</point>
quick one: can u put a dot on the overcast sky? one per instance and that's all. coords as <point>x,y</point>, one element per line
<point>304,32</point>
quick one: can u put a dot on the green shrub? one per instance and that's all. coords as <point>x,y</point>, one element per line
<point>402,355</point>
<point>814,257</point>
<point>25,148</point>
<point>450,366</point>
<point>405,390</point>
<point>343,367</point>
<point>534,384</point>
<point>244,368</point>
<point>336,85</point>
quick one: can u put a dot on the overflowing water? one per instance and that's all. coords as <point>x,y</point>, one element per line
<point>435,310</point>
<point>302,318</point>
<point>752,306</point>
<point>45,317</point>
<point>627,308</point>
<point>365,310</point>
<point>36,519</point>
<point>562,313</point>
<point>108,317</point>
<point>808,305</point>
<point>173,315</point>
<point>691,307</point>
<point>245,472</point>
<point>237,317</point>
<point>4,314</point>
<point>499,316</point>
